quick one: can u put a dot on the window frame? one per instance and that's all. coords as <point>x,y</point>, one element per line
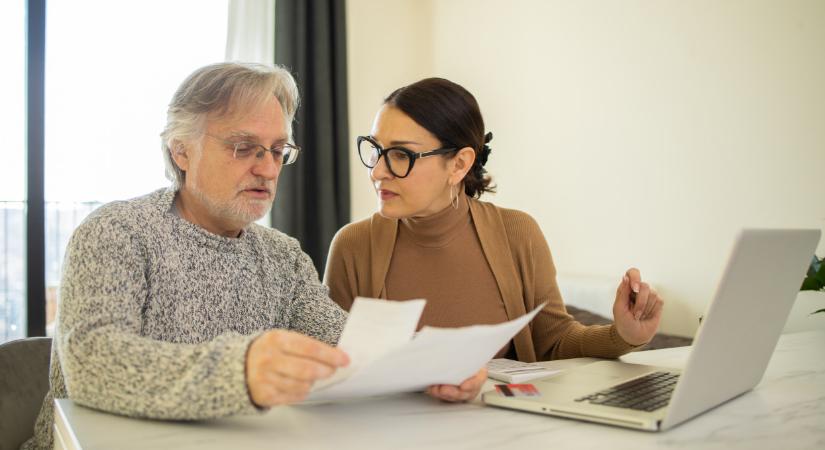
<point>35,168</point>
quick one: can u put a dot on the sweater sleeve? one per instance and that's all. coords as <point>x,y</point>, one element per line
<point>312,312</point>
<point>556,334</point>
<point>107,364</point>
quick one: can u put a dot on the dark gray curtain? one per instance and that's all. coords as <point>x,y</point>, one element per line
<point>313,194</point>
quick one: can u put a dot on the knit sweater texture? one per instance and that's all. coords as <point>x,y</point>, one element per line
<point>363,253</point>
<point>156,314</point>
<point>439,258</point>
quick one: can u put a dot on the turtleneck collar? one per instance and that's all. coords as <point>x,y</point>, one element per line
<point>439,229</point>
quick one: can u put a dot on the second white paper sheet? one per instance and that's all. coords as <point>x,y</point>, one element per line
<point>384,362</point>
<point>373,329</point>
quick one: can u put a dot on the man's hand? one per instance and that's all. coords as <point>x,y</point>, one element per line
<point>637,309</point>
<point>467,390</point>
<point>281,366</point>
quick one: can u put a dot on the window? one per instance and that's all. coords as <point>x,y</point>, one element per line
<point>111,69</point>
<point>12,170</point>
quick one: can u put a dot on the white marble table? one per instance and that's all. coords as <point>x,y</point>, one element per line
<point>785,411</point>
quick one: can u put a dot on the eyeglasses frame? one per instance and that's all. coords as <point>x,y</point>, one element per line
<point>261,149</point>
<point>410,154</point>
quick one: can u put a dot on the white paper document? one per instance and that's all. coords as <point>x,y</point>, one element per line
<point>386,356</point>
<point>373,329</point>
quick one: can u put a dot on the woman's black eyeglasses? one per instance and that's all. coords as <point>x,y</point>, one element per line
<point>400,160</point>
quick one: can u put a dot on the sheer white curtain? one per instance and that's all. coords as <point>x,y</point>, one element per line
<point>250,36</point>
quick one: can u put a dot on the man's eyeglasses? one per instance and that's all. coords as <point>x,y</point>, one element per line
<point>400,160</point>
<point>284,153</point>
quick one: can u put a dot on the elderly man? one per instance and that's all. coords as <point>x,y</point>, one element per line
<point>176,305</point>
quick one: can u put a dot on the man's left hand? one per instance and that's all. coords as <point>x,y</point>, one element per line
<point>466,391</point>
<point>637,309</point>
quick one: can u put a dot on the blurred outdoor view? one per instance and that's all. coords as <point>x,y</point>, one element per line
<point>107,86</point>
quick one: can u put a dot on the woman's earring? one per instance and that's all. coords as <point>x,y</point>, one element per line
<point>454,198</point>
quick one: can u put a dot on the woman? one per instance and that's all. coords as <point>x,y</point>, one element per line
<point>474,262</point>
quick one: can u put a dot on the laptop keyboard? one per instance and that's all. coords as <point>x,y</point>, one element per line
<point>647,393</point>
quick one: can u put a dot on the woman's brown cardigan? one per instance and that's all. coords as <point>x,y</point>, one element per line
<point>521,263</point>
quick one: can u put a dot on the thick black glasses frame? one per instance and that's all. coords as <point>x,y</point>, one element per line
<point>410,154</point>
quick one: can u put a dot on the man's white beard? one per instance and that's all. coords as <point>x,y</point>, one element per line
<point>240,211</point>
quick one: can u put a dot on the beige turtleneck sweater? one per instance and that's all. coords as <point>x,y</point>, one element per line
<point>477,264</point>
<point>439,258</point>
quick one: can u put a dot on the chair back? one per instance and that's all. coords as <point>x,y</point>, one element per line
<point>24,382</point>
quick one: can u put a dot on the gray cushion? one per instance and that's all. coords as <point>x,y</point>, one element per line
<point>660,340</point>
<point>24,381</point>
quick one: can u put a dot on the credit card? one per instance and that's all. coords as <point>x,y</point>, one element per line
<point>517,390</point>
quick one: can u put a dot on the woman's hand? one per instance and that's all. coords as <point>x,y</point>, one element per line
<point>466,391</point>
<point>637,309</point>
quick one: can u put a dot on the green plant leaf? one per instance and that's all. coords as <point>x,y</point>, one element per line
<point>813,267</point>
<point>818,311</point>
<point>820,275</point>
<point>815,279</point>
<point>809,284</point>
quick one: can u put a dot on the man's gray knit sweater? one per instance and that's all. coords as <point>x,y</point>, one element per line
<point>156,313</point>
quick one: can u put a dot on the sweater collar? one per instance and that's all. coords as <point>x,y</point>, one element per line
<point>194,232</point>
<point>439,229</point>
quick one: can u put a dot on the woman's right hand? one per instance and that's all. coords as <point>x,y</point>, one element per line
<point>637,309</point>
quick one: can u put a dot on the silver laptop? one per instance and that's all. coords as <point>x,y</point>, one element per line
<point>745,319</point>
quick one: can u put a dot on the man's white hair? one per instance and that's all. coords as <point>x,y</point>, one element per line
<point>223,89</point>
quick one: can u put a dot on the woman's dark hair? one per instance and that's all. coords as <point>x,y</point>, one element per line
<point>451,114</point>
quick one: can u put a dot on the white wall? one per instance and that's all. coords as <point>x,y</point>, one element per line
<point>638,133</point>
<point>388,46</point>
